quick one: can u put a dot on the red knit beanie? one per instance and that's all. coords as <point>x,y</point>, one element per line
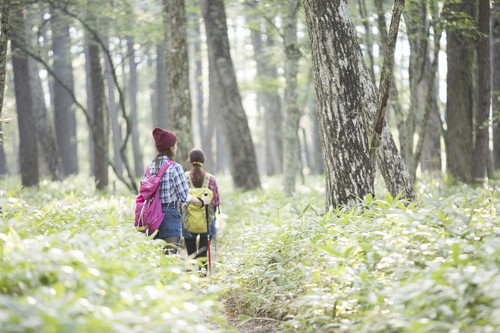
<point>163,139</point>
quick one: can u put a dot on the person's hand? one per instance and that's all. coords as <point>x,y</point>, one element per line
<point>206,199</point>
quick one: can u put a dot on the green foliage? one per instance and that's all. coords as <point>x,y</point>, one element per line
<point>71,261</point>
<point>383,267</point>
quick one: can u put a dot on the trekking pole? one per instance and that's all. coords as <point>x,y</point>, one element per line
<point>209,256</point>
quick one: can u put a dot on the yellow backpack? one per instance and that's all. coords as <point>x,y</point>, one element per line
<point>194,217</point>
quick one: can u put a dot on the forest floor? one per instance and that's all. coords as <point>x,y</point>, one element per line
<point>253,325</point>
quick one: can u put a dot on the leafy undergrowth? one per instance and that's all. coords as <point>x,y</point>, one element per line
<point>383,267</point>
<point>71,261</point>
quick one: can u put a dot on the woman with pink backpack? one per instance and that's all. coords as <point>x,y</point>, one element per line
<point>173,189</point>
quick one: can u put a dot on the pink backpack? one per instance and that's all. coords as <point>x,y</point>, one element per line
<point>148,212</point>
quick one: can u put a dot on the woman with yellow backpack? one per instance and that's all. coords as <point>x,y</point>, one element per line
<point>199,219</point>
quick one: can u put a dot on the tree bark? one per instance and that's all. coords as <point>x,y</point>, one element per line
<point>90,107</point>
<point>65,118</point>
<point>100,118</point>
<point>292,53</point>
<point>196,76</point>
<point>495,29</point>
<point>47,144</point>
<point>4,40</point>
<point>28,152</point>
<point>116,133</point>
<point>481,149</point>
<point>385,82</point>
<point>238,140</point>
<point>177,80</point>
<point>343,124</point>
<point>459,49</point>
<point>132,91</point>
<point>267,94</point>
<point>417,29</point>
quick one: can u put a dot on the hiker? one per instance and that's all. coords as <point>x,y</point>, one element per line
<point>173,189</point>
<point>199,178</point>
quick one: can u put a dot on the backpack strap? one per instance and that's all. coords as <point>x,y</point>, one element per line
<point>188,179</point>
<point>206,180</point>
<point>162,170</point>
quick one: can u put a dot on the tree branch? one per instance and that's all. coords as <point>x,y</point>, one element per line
<point>385,81</point>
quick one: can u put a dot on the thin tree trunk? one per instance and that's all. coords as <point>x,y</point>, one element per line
<point>28,152</point>
<point>65,117</point>
<point>368,38</point>
<point>238,140</point>
<point>459,49</point>
<point>481,149</point>
<point>339,91</point>
<point>495,59</point>
<point>100,121</point>
<point>47,144</point>
<point>291,152</point>
<point>136,149</point>
<point>267,94</point>
<point>116,133</point>
<point>196,77</point>
<point>4,40</point>
<point>90,107</point>
<point>177,83</point>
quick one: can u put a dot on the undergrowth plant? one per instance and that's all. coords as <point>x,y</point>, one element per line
<point>382,266</point>
<point>71,261</point>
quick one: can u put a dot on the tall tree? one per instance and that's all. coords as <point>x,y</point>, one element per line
<point>177,80</point>
<point>292,53</point>
<point>47,143</point>
<point>495,30</point>
<point>238,139</point>
<point>65,117</point>
<point>336,55</point>
<point>4,40</point>
<point>267,89</point>
<point>100,117</point>
<point>136,149</point>
<point>28,152</point>
<point>481,149</point>
<point>460,53</point>
<point>116,133</point>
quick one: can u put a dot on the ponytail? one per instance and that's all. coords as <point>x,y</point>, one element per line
<point>197,158</point>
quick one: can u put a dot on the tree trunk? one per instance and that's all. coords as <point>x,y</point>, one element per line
<point>417,29</point>
<point>132,91</point>
<point>495,29</point>
<point>177,80</point>
<point>238,140</point>
<point>160,118</point>
<point>28,152</point>
<point>90,106</point>
<point>339,90</point>
<point>4,40</point>
<point>100,121</point>
<point>65,118</point>
<point>459,49</point>
<point>292,53</point>
<point>268,93</point>
<point>116,133</point>
<point>47,144</point>
<point>196,79</point>
<point>481,149</point>
<point>367,37</point>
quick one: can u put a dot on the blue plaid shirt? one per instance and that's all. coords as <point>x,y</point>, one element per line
<point>173,183</point>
